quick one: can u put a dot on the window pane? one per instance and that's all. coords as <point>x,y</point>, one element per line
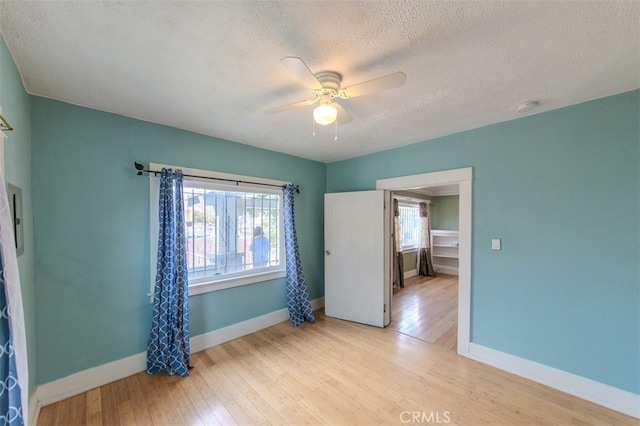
<point>409,225</point>
<point>229,232</point>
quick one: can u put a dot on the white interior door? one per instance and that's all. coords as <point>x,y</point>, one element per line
<point>357,257</point>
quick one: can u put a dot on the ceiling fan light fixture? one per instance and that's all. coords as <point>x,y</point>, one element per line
<point>325,114</point>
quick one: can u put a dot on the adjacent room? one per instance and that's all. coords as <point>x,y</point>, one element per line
<point>425,301</point>
<point>336,212</point>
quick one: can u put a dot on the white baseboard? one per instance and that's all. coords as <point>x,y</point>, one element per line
<point>91,378</point>
<point>449,270</point>
<point>608,396</point>
<point>411,273</point>
<point>233,331</point>
<point>34,408</point>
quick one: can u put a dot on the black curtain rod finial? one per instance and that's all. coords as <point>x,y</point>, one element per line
<point>139,167</point>
<point>295,187</point>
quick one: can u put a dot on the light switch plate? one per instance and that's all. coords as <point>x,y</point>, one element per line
<point>496,244</point>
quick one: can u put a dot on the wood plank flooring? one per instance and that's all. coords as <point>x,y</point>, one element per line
<point>427,309</point>
<point>332,372</point>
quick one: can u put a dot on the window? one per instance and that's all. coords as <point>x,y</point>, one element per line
<point>409,219</point>
<point>234,233</point>
<point>230,232</point>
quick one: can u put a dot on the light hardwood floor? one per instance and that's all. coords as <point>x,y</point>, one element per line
<point>427,309</point>
<point>332,372</point>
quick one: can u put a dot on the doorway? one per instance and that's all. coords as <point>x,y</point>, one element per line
<point>426,307</point>
<point>463,179</point>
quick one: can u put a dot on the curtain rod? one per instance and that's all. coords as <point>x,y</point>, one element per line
<point>412,199</point>
<point>140,168</point>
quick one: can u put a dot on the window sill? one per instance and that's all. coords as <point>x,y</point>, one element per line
<point>222,284</point>
<point>409,250</point>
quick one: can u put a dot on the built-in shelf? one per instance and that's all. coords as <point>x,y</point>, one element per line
<point>444,249</point>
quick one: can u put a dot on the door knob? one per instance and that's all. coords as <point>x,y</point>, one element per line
<point>328,252</point>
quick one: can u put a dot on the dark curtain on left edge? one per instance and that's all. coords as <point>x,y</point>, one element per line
<point>398,259</point>
<point>168,347</point>
<point>425,261</point>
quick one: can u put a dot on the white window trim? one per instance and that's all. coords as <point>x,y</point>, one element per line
<point>222,283</point>
<point>2,137</point>
<point>412,249</point>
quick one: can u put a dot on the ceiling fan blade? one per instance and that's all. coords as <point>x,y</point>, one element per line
<point>302,71</point>
<point>290,106</point>
<point>343,116</point>
<point>379,84</point>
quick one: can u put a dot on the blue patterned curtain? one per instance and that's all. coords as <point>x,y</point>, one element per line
<point>168,347</point>
<point>297,294</point>
<point>14,372</point>
<point>10,400</point>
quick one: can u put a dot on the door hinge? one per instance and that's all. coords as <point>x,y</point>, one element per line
<point>385,308</point>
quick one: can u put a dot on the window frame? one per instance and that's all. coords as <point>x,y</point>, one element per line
<point>209,284</point>
<point>414,203</point>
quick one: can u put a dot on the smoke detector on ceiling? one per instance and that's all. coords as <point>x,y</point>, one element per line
<point>528,106</point>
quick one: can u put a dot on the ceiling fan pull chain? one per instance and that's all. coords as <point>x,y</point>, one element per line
<point>313,123</point>
<point>335,138</point>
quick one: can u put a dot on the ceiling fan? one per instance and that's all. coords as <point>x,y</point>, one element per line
<point>325,86</point>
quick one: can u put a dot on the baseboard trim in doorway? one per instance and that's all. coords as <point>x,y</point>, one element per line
<point>409,274</point>
<point>449,270</point>
<point>91,378</point>
<point>599,393</point>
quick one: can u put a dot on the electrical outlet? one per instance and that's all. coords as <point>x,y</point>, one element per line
<point>496,244</point>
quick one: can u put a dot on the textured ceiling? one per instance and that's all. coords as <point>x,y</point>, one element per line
<point>214,67</point>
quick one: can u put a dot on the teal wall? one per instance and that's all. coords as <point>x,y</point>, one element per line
<point>17,153</point>
<point>562,190</point>
<point>445,211</point>
<point>92,232</point>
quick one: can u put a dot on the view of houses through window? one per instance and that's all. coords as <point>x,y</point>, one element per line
<point>230,232</point>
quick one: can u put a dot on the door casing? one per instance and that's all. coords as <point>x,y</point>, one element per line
<point>463,178</point>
